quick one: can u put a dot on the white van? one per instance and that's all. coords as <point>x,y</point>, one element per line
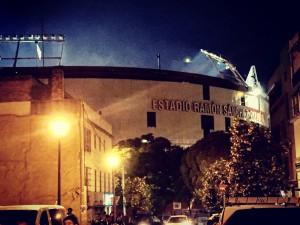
<point>32,214</point>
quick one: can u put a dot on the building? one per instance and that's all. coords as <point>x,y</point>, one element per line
<point>29,153</point>
<point>284,92</point>
<point>129,102</point>
<point>183,107</point>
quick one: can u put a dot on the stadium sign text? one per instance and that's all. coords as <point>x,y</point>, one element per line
<point>240,112</point>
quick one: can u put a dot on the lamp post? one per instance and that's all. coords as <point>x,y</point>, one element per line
<point>123,190</point>
<point>113,161</point>
<point>59,128</point>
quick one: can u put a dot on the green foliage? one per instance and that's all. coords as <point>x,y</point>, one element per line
<point>157,161</point>
<point>255,166</point>
<point>201,155</point>
<point>138,195</point>
<point>215,175</point>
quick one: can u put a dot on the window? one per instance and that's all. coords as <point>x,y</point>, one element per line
<point>104,147</point>
<point>227,123</point>
<point>88,178</point>
<point>100,181</point>
<point>206,94</point>
<point>243,102</point>
<point>56,216</point>
<point>87,140</point>
<point>207,124</point>
<point>151,119</point>
<point>44,218</point>
<point>295,104</point>
<point>100,143</point>
<point>96,183</point>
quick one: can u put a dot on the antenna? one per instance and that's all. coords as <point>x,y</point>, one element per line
<point>35,39</point>
<point>158,61</point>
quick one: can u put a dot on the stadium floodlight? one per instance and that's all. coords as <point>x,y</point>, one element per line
<point>61,37</point>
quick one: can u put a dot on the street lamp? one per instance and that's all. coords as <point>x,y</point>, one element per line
<point>113,161</point>
<point>59,128</point>
<point>123,190</point>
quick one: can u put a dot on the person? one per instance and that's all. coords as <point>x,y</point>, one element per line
<point>120,219</point>
<point>70,211</point>
<point>70,220</point>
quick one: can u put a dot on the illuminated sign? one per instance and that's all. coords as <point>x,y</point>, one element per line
<point>240,112</point>
<point>108,198</point>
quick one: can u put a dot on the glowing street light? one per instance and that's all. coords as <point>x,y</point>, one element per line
<point>113,161</point>
<point>59,128</point>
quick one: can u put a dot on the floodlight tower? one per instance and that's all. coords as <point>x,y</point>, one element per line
<point>35,39</point>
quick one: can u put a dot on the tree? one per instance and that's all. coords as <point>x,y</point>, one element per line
<point>255,167</point>
<point>213,176</point>
<point>202,154</point>
<point>138,195</point>
<point>150,159</point>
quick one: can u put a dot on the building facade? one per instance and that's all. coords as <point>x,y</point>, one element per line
<point>284,96</point>
<point>29,153</point>
<point>182,107</point>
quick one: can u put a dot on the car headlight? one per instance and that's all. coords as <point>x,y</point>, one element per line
<point>143,223</point>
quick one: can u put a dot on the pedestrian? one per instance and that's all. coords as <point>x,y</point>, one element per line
<point>70,211</point>
<point>70,220</point>
<point>120,219</point>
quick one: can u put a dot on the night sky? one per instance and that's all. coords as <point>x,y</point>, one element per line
<point>132,33</point>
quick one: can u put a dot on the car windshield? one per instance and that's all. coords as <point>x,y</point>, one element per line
<point>264,216</point>
<point>11,217</point>
<point>177,219</point>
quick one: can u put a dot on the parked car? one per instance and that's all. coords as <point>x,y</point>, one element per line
<point>32,214</point>
<point>259,215</point>
<point>178,220</point>
<point>145,219</point>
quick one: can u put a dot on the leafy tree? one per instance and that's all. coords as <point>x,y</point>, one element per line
<point>201,155</point>
<point>150,159</point>
<point>213,176</point>
<point>255,167</point>
<point>138,195</point>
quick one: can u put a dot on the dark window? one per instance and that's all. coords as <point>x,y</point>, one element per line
<point>151,119</point>
<point>207,124</point>
<point>206,95</point>
<point>44,218</point>
<point>296,108</point>
<point>296,77</point>
<point>87,140</point>
<point>56,216</point>
<point>243,101</point>
<point>227,123</point>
